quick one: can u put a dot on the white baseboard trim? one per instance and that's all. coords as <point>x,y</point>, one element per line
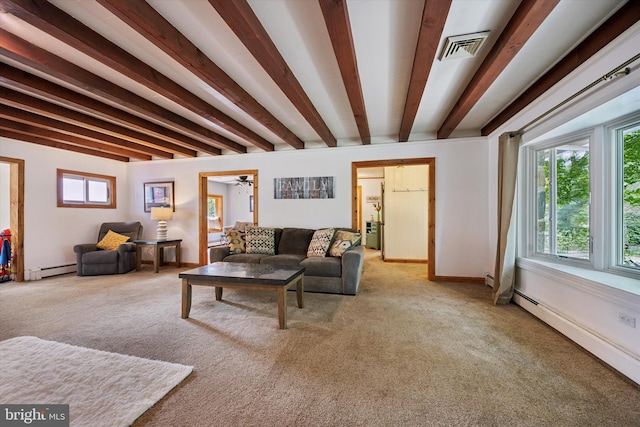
<point>625,363</point>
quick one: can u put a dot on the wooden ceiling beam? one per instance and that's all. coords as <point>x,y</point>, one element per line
<point>57,23</point>
<point>336,18</point>
<point>55,136</point>
<point>14,78</point>
<point>524,22</point>
<point>22,116</point>
<point>154,27</point>
<point>53,111</point>
<point>434,16</point>
<point>31,56</point>
<point>247,27</point>
<point>618,23</point>
<point>56,144</point>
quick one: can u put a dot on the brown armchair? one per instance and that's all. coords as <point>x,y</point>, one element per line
<point>92,261</point>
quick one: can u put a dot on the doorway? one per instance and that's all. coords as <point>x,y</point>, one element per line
<point>16,214</point>
<point>356,218</point>
<point>243,177</point>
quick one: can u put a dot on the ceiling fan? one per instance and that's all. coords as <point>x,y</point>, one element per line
<point>243,180</point>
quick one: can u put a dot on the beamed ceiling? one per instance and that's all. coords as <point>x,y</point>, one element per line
<point>139,81</point>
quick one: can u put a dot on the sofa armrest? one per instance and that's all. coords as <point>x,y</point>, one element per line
<point>218,253</point>
<point>352,262</point>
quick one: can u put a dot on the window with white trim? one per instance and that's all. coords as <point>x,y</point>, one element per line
<point>580,198</point>
<point>86,190</point>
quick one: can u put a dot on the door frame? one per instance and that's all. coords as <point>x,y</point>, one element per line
<point>431,202</point>
<point>16,214</point>
<point>203,193</point>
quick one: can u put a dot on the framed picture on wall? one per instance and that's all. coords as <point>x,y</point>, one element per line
<point>158,194</point>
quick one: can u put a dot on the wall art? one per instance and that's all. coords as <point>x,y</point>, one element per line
<point>310,187</point>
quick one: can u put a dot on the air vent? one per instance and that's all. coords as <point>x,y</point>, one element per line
<point>464,46</point>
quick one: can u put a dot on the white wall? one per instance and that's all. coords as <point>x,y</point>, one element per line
<point>51,232</point>
<point>461,214</point>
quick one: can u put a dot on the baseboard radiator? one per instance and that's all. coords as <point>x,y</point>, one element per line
<point>58,270</point>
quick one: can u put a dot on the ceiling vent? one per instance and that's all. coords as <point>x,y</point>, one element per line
<point>464,46</point>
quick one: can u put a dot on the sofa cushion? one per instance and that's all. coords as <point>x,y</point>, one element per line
<point>242,226</point>
<point>343,241</point>
<point>320,242</point>
<point>246,258</point>
<point>261,240</point>
<point>322,266</point>
<point>236,239</point>
<point>282,259</point>
<point>111,241</point>
<point>295,241</point>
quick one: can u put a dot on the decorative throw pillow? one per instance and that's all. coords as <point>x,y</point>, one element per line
<point>242,226</point>
<point>236,241</point>
<point>261,240</point>
<point>320,242</point>
<point>111,241</point>
<point>344,241</point>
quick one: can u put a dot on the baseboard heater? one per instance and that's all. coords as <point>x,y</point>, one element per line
<point>58,270</point>
<point>528,298</point>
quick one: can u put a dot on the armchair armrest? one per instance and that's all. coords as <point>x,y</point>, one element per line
<point>84,248</point>
<point>218,253</point>
<point>126,247</point>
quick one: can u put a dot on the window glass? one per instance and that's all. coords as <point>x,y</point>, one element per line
<point>562,200</point>
<point>73,189</point>
<point>98,191</point>
<point>630,190</point>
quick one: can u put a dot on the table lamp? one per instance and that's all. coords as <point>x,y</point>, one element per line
<point>162,215</point>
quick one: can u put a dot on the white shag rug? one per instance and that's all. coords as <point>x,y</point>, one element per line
<point>101,388</point>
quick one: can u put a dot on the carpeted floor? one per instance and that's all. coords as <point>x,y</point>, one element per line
<point>403,352</point>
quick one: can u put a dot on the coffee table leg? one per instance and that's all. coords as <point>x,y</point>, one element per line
<point>300,291</point>
<point>282,307</point>
<point>218,293</point>
<point>186,298</point>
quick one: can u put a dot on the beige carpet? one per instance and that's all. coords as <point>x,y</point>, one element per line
<point>403,352</point>
<point>102,389</point>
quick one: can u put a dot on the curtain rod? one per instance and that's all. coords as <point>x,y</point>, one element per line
<point>621,70</point>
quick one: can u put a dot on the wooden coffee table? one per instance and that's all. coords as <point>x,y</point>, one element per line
<point>248,276</point>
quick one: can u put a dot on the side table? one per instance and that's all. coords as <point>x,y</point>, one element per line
<point>158,251</point>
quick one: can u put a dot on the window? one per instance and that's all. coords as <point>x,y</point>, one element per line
<point>628,194</point>
<point>580,198</point>
<point>214,212</point>
<point>86,190</point>
<point>562,227</point>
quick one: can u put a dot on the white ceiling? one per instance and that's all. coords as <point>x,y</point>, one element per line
<point>384,34</point>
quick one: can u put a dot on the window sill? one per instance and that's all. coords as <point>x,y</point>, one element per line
<point>606,285</point>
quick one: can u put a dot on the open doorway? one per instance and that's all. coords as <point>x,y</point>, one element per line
<point>430,201</point>
<point>241,181</point>
<point>16,214</point>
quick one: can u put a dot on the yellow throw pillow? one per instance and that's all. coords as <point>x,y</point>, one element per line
<point>111,241</point>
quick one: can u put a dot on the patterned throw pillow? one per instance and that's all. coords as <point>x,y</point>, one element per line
<point>320,242</point>
<point>236,241</point>
<point>261,240</point>
<point>344,241</point>
<point>111,241</point>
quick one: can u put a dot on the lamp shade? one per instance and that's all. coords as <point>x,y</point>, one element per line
<point>161,214</point>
